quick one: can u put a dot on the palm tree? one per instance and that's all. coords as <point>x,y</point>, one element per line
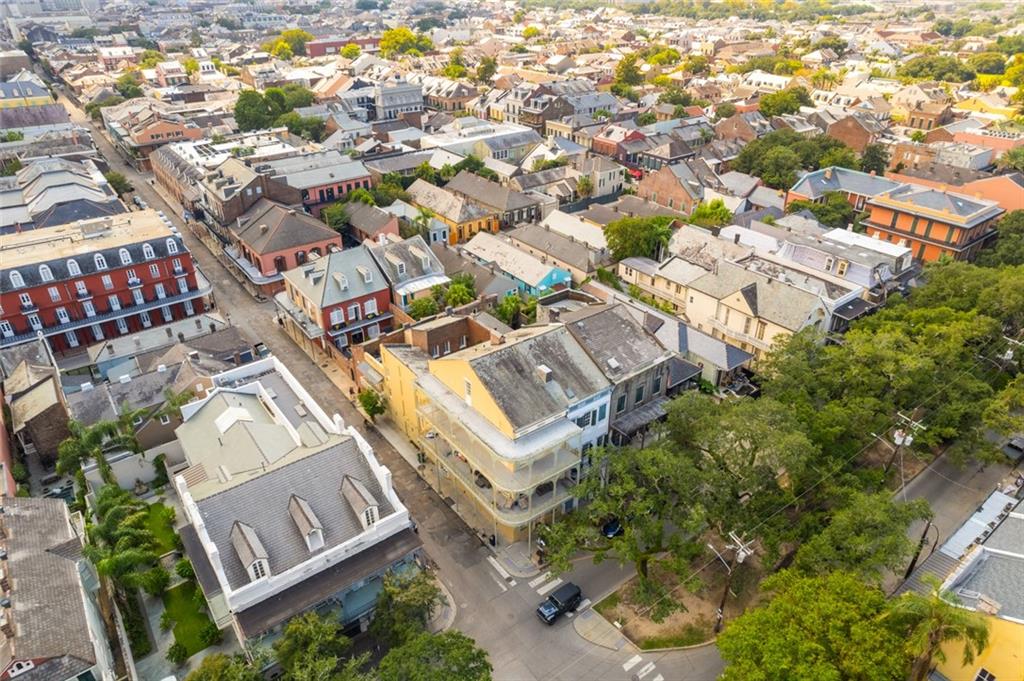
<point>422,222</point>
<point>85,443</point>
<point>120,544</point>
<point>584,186</point>
<point>173,402</point>
<point>933,620</point>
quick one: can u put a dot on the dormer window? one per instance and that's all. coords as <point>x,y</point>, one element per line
<point>45,273</point>
<point>147,252</point>
<point>309,526</point>
<point>172,246</point>
<point>425,261</point>
<point>361,501</point>
<point>73,268</point>
<point>126,257</point>
<point>17,281</point>
<point>250,551</point>
<point>101,262</point>
<point>400,267</point>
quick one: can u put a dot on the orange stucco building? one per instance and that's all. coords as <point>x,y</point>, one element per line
<point>933,222</point>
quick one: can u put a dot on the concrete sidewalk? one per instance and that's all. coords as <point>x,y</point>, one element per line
<point>593,627</point>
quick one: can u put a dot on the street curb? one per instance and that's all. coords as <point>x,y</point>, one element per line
<point>450,608</point>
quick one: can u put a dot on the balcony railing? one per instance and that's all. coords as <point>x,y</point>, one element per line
<point>83,294</point>
<point>449,435</point>
<point>739,335</point>
<point>204,288</point>
<point>509,508</point>
<point>29,307</point>
<point>134,282</point>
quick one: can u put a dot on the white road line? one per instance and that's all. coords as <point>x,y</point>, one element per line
<point>583,604</point>
<point>645,670</point>
<point>497,581</point>
<point>497,566</point>
<point>631,662</point>
<point>538,580</point>
<point>659,677</point>
<point>512,582</point>
<point>550,586</point>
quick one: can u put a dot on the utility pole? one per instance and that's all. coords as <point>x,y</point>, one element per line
<point>920,547</point>
<point>740,550</point>
<point>902,438</point>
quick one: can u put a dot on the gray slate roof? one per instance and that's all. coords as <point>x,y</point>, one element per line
<point>563,248</point>
<point>262,503</point>
<point>285,228</point>
<point>320,280</point>
<point>617,343</point>
<point>835,179</point>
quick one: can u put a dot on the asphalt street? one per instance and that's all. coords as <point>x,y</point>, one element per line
<point>497,612</point>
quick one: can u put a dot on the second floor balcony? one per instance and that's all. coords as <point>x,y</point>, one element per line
<point>203,288</point>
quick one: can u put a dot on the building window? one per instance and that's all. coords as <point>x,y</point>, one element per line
<point>841,269</point>
<point>73,268</point>
<point>154,270</point>
<point>983,675</point>
<point>639,395</point>
<point>353,313</point>
<point>620,405</point>
<point>656,387</point>
<point>54,294</point>
<point>400,268</point>
<point>147,251</point>
<point>62,316</point>
<point>370,515</point>
<point>100,261</point>
<point>108,283</point>
<point>6,330</point>
<point>34,323</point>
<point>17,281</point>
<point>462,342</point>
<point>602,412</point>
<point>258,571</point>
<point>126,257</point>
<point>467,388</point>
<point>45,273</point>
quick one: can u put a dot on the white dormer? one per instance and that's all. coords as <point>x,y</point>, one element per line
<point>362,502</point>
<point>342,280</point>
<point>250,551</point>
<point>309,526</point>
<point>366,273</point>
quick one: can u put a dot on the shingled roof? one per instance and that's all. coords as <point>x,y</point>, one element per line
<point>269,227</point>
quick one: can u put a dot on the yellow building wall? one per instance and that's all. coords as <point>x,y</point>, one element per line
<point>454,373</point>
<point>1004,657</point>
<point>399,390</point>
<point>704,308</point>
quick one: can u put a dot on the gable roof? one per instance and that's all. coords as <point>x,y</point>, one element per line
<point>338,276</point>
<point>488,193</point>
<point>446,204</point>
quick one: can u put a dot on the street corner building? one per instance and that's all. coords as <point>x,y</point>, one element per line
<point>82,282</point>
<point>288,510</point>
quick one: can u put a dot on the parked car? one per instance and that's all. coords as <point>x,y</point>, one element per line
<point>565,598</point>
<point>612,528</point>
<point>1015,448</point>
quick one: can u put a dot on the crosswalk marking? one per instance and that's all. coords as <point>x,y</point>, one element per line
<point>631,662</point>
<point>497,566</point>
<point>501,584</point>
<point>647,669</point>
<point>550,586</point>
<point>539,580</point>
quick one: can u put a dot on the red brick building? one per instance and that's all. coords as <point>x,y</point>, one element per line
<point>856,131</point>
<point>79,283</point>
<point>335,302</point>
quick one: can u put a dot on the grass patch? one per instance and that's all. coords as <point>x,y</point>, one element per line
<point>688,635</point>
<point>189,619</point>
<point>608,603</point>
<point>161,523</point>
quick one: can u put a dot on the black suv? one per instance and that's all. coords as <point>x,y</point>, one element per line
<point>565,598</point>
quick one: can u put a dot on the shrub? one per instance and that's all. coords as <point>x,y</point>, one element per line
<point>177,654</point>
<point>166,621</point>
<point>210,635</point>
<point>184,569</point>
<point>155,580</point>
<point>19,472</point>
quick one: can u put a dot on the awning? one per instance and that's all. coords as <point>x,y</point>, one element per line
<point>680,371</point>
<point>642,417</point>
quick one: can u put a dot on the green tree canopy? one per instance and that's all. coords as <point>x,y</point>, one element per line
<point>784,102</point>
<point>401,40</point>
<point>834,211</point>
<point>936,67</point>
<point>447,656</point>
<point>866,535</point>
<point>1009,246</point>
<point>637,236</point>
<point>988,62</point>
<point>825,628</point>
<point>711,214</point>
<point>404,606</point>
<point>351,51</point>
<point>627,71</point>
<point>875,159</point>
<point>422,307</point>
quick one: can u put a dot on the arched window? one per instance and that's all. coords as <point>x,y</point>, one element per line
<point>147,252</point>
<point>126,257</point>
<point>73,269</point>
<point>17,281</point>
<point>101,262</point>
<point>45,273</point>
<point>172,246</point>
